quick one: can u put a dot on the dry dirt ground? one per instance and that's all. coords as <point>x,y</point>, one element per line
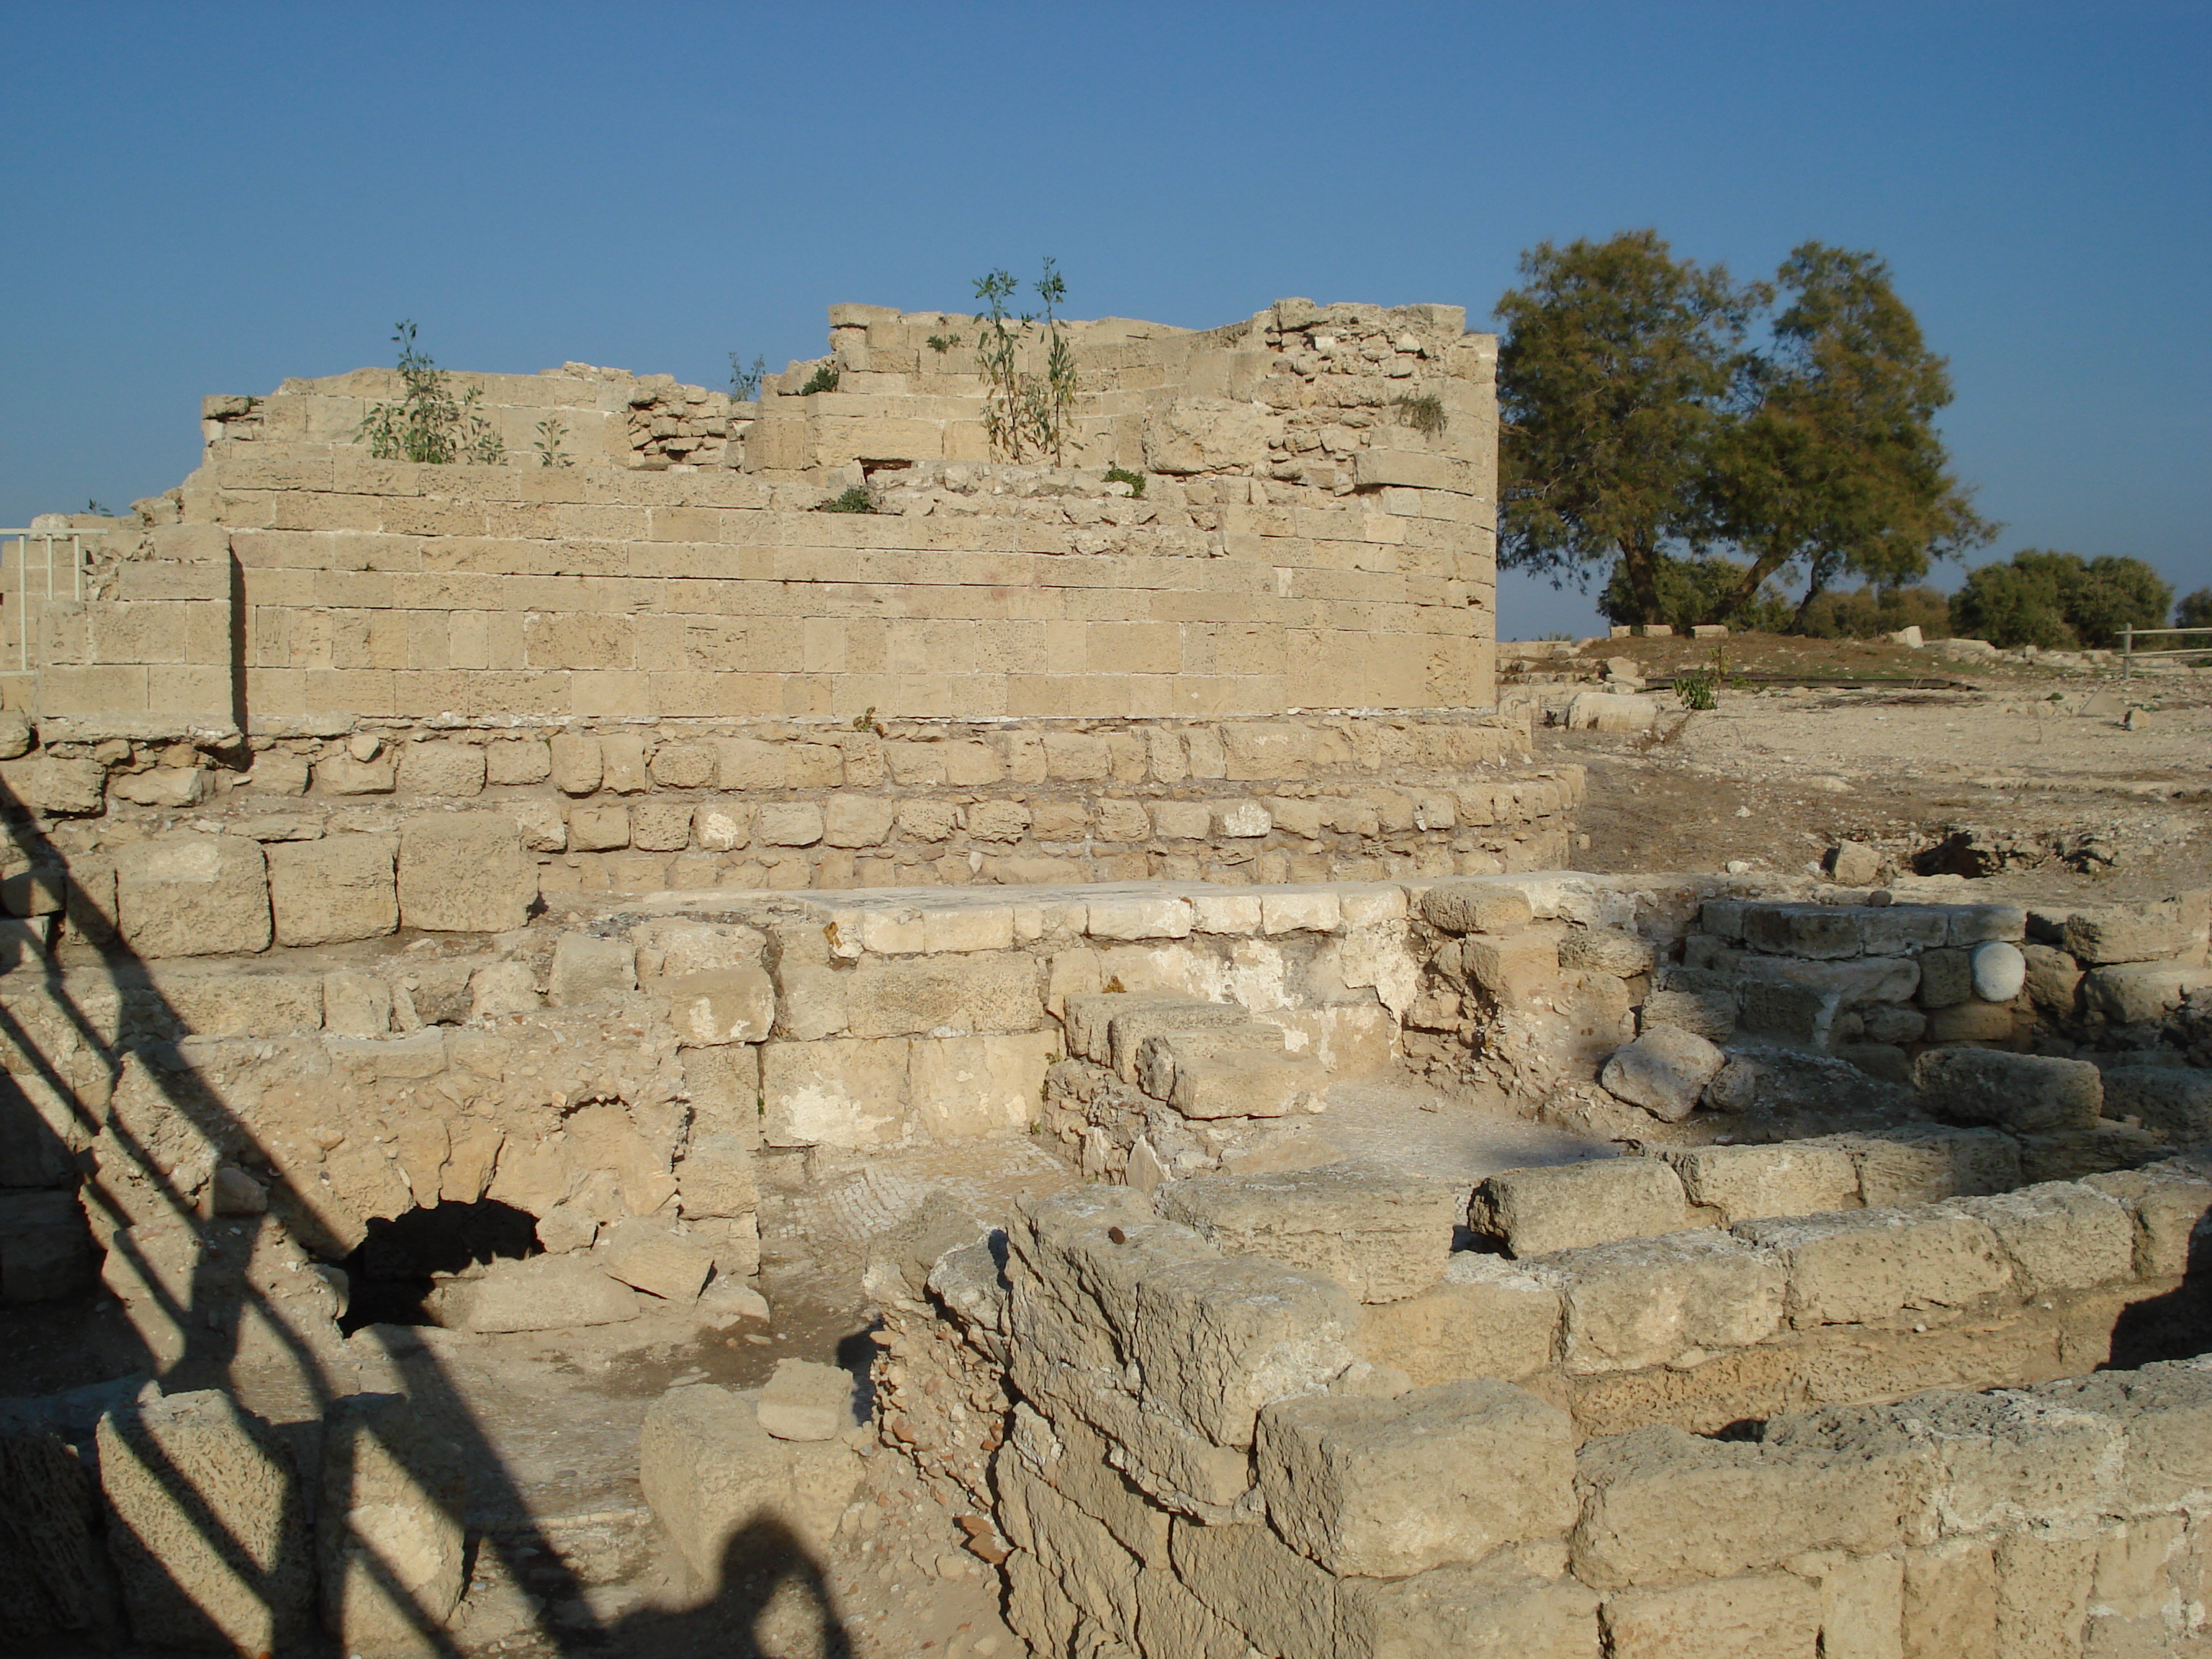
<point>2027,780</point>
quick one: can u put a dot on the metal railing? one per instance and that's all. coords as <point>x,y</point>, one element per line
<point>2129,653</point>
<point>20,586</point>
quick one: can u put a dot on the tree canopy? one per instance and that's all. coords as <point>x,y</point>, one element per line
<point>2060,600</point>
<point>1615,369</point>
<point>1639,428</point>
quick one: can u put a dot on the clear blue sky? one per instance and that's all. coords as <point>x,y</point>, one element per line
<point>208,198</point>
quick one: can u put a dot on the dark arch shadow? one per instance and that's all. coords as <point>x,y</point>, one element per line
<point>773,1600</point>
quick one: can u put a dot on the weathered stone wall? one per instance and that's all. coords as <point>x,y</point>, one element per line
<point>1305,538</point>
<point>1195,1432</point>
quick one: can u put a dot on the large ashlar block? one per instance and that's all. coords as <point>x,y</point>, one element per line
<point>1863,1265</point>
<point>208,1526</point>
<point>1217,1340</point>
<point>711,1472</point>
<point>963,1087</point>
<point>341,887</point>
<point>1570,1206</point>
<point>388,1534</point>
<point>1644,1302</point>
<point>464,872</point>
<point>1746,1182</point>
<point>1383,1237</point>
<point>1769,1616</point>
<point>189,895</point>
<point>1381,1488</point>
<point>840,1091</point>
<point>1471,1613</point>
<point>719,1005</point>
<point>1485,1317</point>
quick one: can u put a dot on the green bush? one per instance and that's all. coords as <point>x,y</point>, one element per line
<point>1692,592</point>
<point>824,378</point>
<point>429,423</point>
<point>2196,610</point>
<point>1869,612</point>
<point>2059,601</point>
<point>1134,480</point>
<point>1425,414</point>
<point>855,498</point>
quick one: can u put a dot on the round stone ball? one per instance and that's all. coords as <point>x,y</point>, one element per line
<point>1999,971</point>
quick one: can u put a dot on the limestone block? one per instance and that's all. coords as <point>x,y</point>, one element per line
<point>788,823</point>
<point>577,767</point>
<point>1688,1001</point>
<point>1661,1505</point>
<point>342,775</point>
<point>1382,1488</point>
<point>967,928</point>
<point>588,969</point>
<point>543,1293</point>
<point>46,1252</point>
<point>540,823</point>
<point>927,820</point>
<point>1664,1071</point>
<point>172,786</point>
<point>998,820</point>
<point>1971,1022</point>
<point>1946,978</point>
<point>686,766</point>
<point>2140,992</point>
<point>2058,1236</point>
<point>1240,1073</point>
<point>442,769</point>
<point>1666,1301</point>
<point>838,1092</point>
<point>463,872</point>
<point>1383,1237</point>
<point>517,761</point>
<point>660,826</point>
<point>1203,435</point>
<point>207,1526</point>
<point>1241,820</point>
<point>2052,980</point>
<point>722,1006</point>
<point>961,1087</point>
<point>1272,1594</point>
<point>1218,1341</point>
<point>649,1257</point>
<point>187,894</point>
<point>1470,1613</point>
<point>1485,1317</point>
<point>1769,1616</point>
<point>1859,1266</point>
<point>1568,1207</point>
<point>341,887</point>
<point>1606,950</point>
<point>1181,820</point>
<point>64,787</point>
<point>1920,1166</point>
<point>1818,932</point>
<point>599,829</point>
<point>715,1178</point>
<point>388,1534</point>
<point>54,1577</point>
<point>947,995</point>
<point>502,988</point>
<point>802,1399</point>
<point>356,1004</point>
<point>855,820</point>
<point>1746,1182</point>
<point>1164,916</point>
<point>2023,1093</point>
<point>621,764</point>
<point>2176,1101</point>
<point>1611,711</point>
<point>2102,935</point>
<point>709,1472</point>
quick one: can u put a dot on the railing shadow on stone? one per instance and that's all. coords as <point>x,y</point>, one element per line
<point>207,1507</point>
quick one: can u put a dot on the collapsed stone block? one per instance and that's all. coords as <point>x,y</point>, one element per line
<point>388,1535</point>
<point>1217,1340</point>
<point>588,969</point>
<point>188,894</point>
<point>1611,711</point>
<point>1641,1302</point>
<point>1277,1599</point>
<point>1236,1073</point>
<point>1382,1236</point>
<point>2175,1101</point>
<point>805,1401</point>
<point>208,1529</point>
<point>464,872</point>
<point>1538,1211</point>
<point>2097,936</point>
<point>2024,1093</point>
<point>649,1257</point>
<point>543,1293</point>
<point>1475,908</point>
<point>710,1472</point>
<point>2140,992</point>
<point>1860,1266</point>
<point>53,1570</point>
<point>341,887</point>
<point>1381,1488</point>
<point>1664,1071</point>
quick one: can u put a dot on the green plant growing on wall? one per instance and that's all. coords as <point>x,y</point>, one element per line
<point>1425,414</point>
<point>856,498</point>
<point>1134,480</point>
<point>551,431</point>
<point>429,423</point>
<point>941,343</point>
<point>745,379</point>
<point>1025,410</point>
<point>824,378</point>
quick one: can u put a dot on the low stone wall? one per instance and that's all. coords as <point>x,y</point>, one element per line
<point>1195,1432</point>
<point>777,806</point>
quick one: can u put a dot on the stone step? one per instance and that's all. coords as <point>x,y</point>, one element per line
<point>1110,1029</point>
<point>1236,1072</point>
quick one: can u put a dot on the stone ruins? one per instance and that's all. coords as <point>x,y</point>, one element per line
<point>626,847</point>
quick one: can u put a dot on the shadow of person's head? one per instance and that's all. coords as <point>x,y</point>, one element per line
<point>772,1597</point>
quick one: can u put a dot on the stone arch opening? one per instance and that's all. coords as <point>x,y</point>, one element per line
<point>393,1271</point>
